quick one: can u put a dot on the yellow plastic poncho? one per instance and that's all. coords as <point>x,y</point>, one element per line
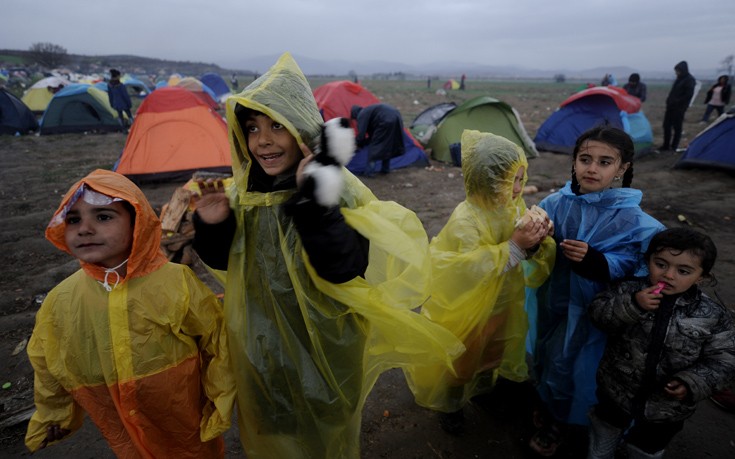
<point>307,352</point>
<point>471,294</point>
<point>147,361</point>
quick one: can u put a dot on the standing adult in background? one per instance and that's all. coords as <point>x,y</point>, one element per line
<point>380,127</point>
<point>461,82</point>
<point>677,103</point>
<point>119,98</point>
<point>635,88</point>
<point>717,97</point>
<point>233,82</point>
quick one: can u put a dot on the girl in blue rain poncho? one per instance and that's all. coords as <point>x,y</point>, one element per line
<point>602,234</point>
<point>318,299</point>
<point>481,261</point>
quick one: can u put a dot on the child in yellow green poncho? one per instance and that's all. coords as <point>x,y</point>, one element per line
<point>482,261</point>
<point>318,299</point>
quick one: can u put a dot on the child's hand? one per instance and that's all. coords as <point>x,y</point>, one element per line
<point>530,234</point>
<point>213,206</point>
<point>648,299</point>
<point>676,389</point>
<point>574,250</point>
<point>53,433</point>
<point>308,156</point>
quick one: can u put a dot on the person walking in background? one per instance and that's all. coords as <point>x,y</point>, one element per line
<point>380,127</point>
<point>119,98</point>
<point>461,82</point>
<point>669,347</point>
<point>234,83</point>
<point>717,98</point>
<point>635,87</point>
<point>677,102</point>
<point>601,233</point>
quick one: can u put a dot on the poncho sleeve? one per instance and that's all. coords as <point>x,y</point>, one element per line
<point>54,405</point>
<point>204,321</point>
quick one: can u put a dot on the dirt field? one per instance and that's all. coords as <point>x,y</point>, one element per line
<point>36,171</point>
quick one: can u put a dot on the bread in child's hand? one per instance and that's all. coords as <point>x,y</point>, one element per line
<point>535,214</point>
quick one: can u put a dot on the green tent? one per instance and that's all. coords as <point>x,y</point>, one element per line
<point>484,114</point>
<point>79,108</point>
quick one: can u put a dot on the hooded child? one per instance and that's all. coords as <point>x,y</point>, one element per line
<point>319,297</point>
<point>481,262</point>
<point>132,340</point>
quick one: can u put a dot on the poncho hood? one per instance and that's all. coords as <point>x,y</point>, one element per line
<point>282,93</point>
<point>612,198</point>
<point>146,255</point>
<point>489,165</point>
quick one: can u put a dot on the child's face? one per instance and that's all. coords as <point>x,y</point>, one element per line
<point>271,144</point>
<point>99,234</point>
<point>518,182</point>
<point>596,166</point>
<point>678,271</point>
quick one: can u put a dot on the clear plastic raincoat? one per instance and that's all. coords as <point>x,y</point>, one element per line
<point>569,347</point>
<point>306,352</point>
<point>472,294</point>
<point>147,361</point>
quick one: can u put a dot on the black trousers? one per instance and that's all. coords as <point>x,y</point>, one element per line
<point>673,121</point>
<point>650,437</point>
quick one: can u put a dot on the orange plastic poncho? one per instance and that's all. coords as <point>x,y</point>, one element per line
<point>147,361</point>
<point>473,295</point>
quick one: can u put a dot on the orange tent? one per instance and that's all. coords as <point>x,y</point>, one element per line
<point>174,135</point>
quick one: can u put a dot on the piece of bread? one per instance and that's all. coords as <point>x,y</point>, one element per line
<point>534,214</point>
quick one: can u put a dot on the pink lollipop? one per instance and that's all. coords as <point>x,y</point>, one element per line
<point>660,287</point>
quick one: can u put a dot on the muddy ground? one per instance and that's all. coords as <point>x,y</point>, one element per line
<point>36,171</point>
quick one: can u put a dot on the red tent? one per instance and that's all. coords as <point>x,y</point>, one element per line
<point>174,135</point>
<point>335,99</point>
<point>624,101</point>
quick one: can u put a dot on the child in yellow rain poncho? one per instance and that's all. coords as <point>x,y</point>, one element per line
<point>318,299</point>
<point>482,261</point>
<point>134,341</point>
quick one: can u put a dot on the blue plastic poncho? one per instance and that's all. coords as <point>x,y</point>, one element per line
<point>473,295</point>
<point>569,347</point>
<point>306,352</point>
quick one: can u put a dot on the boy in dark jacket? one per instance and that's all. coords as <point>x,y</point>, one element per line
<point>669,346</point>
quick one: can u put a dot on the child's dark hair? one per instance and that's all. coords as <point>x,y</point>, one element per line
<point>614,137</point>
<point>680,240</point>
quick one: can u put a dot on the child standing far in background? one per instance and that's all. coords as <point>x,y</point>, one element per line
<point>669,347</point>
<point>602,234</point>
<point>320,287</point>
<point>134,341</point>
<point>482,260</point>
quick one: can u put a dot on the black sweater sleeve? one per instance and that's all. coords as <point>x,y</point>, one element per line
<point>337,252</point>
<point>212,242</point>
<point>593,266</point>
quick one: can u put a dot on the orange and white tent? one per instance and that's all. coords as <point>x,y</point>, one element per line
<point>174,135</point>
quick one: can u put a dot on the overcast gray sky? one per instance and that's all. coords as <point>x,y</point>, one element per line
<point>534,34</point>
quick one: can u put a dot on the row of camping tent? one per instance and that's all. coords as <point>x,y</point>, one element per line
<point>171,130</point>
<point>211,85</point>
